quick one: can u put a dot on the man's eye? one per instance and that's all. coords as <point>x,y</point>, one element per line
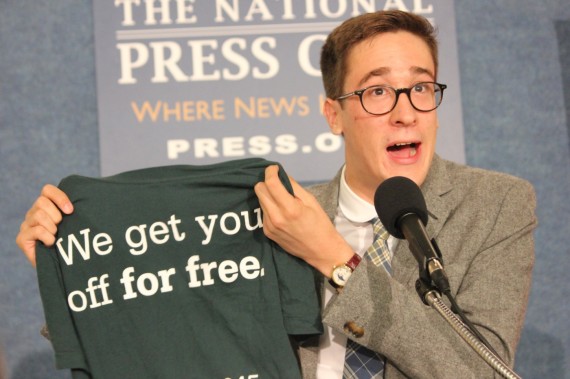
<point>378,91</point>
<point>420,87</point>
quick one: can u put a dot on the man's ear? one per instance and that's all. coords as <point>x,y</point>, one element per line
<point>331,109</point>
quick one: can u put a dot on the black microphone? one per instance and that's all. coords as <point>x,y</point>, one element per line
<point>403,212</point>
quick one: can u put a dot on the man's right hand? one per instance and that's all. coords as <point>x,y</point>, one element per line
<point>42,219</point>
<point>299,224</point>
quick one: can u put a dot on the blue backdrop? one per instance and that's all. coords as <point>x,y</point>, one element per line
<point>514,61</point>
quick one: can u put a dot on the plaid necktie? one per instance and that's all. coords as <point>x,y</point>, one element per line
<point>378,252</point>
<point>361,362</point>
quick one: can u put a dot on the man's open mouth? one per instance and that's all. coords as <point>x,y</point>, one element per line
<point>404,149</point>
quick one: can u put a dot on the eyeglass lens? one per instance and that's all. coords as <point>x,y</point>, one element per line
<point>382,99</point>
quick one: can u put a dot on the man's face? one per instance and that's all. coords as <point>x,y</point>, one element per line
<point>400,143</point>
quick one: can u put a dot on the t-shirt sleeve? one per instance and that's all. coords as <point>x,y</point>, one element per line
<point>297,288</point>
<point>63,336</point>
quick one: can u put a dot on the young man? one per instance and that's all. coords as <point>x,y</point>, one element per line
<point>380,77</point>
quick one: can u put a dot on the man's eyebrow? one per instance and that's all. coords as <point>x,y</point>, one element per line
<point>422,70</point>
<point>380,71</point>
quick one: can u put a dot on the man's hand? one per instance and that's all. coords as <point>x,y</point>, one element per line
<point>42,219</point>
<point>299,224</point>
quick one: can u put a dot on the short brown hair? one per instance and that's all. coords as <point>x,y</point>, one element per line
<point>356,29</point>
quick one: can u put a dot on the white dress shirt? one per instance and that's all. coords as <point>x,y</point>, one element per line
<point>352,221</point>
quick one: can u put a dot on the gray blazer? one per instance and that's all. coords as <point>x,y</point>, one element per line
<point>483,222</point>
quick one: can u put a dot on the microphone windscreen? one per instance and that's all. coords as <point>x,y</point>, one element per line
<point>396,197</point>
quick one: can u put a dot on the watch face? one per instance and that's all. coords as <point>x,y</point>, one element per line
<point>341,274</point>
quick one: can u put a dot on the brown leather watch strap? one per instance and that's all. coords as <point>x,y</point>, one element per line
<point>354,261</point>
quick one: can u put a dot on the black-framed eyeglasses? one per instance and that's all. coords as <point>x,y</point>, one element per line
<point>379,100</point>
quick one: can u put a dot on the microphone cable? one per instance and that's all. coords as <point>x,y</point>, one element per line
<point>458,311</point>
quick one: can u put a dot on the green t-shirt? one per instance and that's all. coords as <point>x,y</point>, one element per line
<point>166,273</point>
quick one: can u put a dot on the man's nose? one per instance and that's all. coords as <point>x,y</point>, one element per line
<point>404,113</point>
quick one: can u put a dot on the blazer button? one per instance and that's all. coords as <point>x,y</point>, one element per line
<point>353,328</point>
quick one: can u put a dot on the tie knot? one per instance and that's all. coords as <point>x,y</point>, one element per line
<point>380,231</point>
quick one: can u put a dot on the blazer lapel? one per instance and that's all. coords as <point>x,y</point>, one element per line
<point>437,184</point>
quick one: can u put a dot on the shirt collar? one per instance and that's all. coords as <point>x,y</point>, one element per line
<point>353,206</point>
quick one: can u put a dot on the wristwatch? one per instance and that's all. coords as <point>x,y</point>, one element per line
<point>341,273</point>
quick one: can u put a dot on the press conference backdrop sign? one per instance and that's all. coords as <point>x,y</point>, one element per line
<point>204,81</point>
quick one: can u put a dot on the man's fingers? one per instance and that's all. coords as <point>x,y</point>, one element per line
<point>274,185</point>
<point>302,194</point>
<point>40,223</point>
<point>48,207</point>
<point>43,213</point>
<point>269,206</point>
<point>57,197</point>
<point>42,218</point>
<point>281,195</point>
<point>28,238</point>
